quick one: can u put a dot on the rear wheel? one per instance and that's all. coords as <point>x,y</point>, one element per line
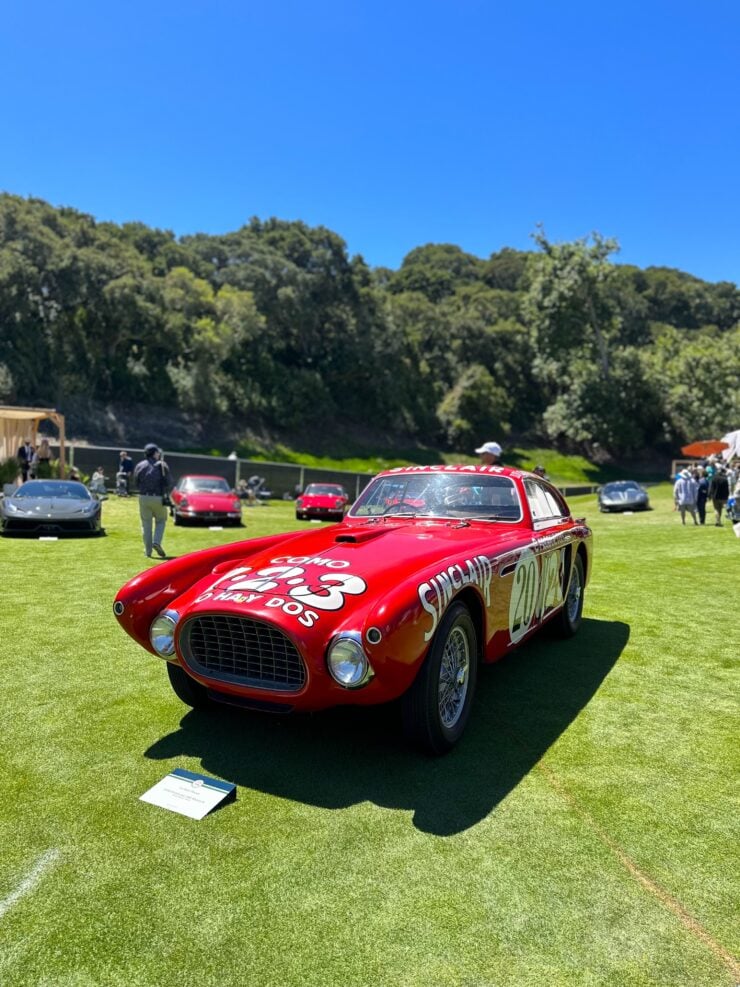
<point>437,707</point>
<point>569,619</point>
<point>192,693</point>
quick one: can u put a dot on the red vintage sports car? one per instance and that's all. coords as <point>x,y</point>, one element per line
<point>322,501</point>
<point>434,570</point>
<point>205,498</point>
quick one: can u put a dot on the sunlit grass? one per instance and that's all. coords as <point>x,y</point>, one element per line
<point>347,859</point>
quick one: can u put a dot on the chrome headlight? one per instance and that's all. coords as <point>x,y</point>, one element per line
<point>162,633</point>
<point>348,664</point>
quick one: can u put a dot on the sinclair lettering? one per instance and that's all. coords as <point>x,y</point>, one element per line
<point>435,595</point>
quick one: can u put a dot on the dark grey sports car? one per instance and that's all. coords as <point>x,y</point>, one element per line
<point>623,495</point>
<point>50,507</point>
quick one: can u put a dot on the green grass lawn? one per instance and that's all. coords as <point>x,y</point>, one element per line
<point>583,833</point>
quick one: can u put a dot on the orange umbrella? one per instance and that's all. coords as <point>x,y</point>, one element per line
<point>706,448</point>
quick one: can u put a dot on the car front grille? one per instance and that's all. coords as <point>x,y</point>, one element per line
<point>243,651</point>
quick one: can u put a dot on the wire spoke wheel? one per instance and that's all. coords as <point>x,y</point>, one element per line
<point>437,707</point>
<point>573,601</point>
<point>454,677</point>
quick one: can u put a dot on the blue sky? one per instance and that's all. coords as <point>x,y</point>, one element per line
<point>392,123</point>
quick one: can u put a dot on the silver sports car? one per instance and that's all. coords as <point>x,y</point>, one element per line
<point>50,507</point>
<point>623,495</point>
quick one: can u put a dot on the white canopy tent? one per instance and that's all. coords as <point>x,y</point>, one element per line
<point>17,424</point>
<point>733,442</point>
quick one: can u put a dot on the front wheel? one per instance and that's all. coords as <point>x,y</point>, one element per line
<point>437,707</point>
<point>569,619</point>
<point>192,693</point>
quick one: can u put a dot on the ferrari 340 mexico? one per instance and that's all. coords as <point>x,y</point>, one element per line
<point>435,570</point>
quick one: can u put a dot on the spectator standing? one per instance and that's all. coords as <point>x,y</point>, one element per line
<point>702,493</point>
<point>490,454</point>
<point>33,465</point>
<point>719,493</point>
<point>152,477</point>
<point>24,456</point>
<point>685,492</point>
<point>126,466</point>
<point>44,454</point>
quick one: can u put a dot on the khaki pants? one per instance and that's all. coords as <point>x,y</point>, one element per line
<point>152,510</point>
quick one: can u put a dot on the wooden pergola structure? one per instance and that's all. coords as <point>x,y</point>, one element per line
<point>17,424</point>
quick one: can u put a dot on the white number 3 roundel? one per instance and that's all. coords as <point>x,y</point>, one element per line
<point>335,587</point>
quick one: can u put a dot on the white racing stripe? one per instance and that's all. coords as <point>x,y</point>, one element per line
<point>45,862</point>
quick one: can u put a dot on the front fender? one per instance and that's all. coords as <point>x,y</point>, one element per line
<point>139,601</point>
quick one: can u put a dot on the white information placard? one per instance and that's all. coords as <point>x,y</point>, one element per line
<point>188,793</point>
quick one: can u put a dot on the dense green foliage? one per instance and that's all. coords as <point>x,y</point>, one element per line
<point>274,325</point>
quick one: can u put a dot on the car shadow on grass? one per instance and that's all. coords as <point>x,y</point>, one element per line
<point>353,754</point>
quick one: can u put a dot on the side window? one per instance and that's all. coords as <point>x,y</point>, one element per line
<point>537,500</point>
<point>556,503</point>
<point>545,504</point>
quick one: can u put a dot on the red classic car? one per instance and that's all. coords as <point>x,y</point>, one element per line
<point>205,498</point>
<point>322,501</point>
<point>434,570</point>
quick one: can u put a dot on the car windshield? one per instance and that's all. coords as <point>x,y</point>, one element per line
<point>324,490</point>
<point>620,485</point>
<point>67,489</point>
<point>206,484</point>
<point>455,495</point>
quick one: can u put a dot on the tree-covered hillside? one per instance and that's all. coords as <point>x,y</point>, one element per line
<point>275,324</point>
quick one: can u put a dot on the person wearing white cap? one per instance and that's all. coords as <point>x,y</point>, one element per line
<point>490,454</point>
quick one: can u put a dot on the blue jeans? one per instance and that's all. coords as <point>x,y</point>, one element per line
<point>151,509</point>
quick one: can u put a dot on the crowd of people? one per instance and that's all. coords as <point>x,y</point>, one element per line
<point>34,460</point>
<point>712,482</point>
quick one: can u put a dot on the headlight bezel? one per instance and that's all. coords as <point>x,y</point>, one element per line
<point>172,618</point>
<point>351,642</point>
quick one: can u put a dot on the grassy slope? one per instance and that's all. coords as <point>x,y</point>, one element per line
<point>561,468</point>
<point>347,859</point>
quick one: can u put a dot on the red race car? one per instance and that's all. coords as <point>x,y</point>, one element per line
<point>433,571</point>
<point>205,498</point>
<point>322,501</point>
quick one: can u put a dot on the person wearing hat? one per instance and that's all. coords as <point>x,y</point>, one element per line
<point>152,477</point>
<point>490,454</point>
<point>685,495</point>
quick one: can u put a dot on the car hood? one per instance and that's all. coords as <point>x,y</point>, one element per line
<point>346,566</point>
<point>49,506</point>
<point>620,496</point>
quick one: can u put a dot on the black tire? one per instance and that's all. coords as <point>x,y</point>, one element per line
<point>568,620</point>
<point>428,724</point>
<point>192,693</point>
